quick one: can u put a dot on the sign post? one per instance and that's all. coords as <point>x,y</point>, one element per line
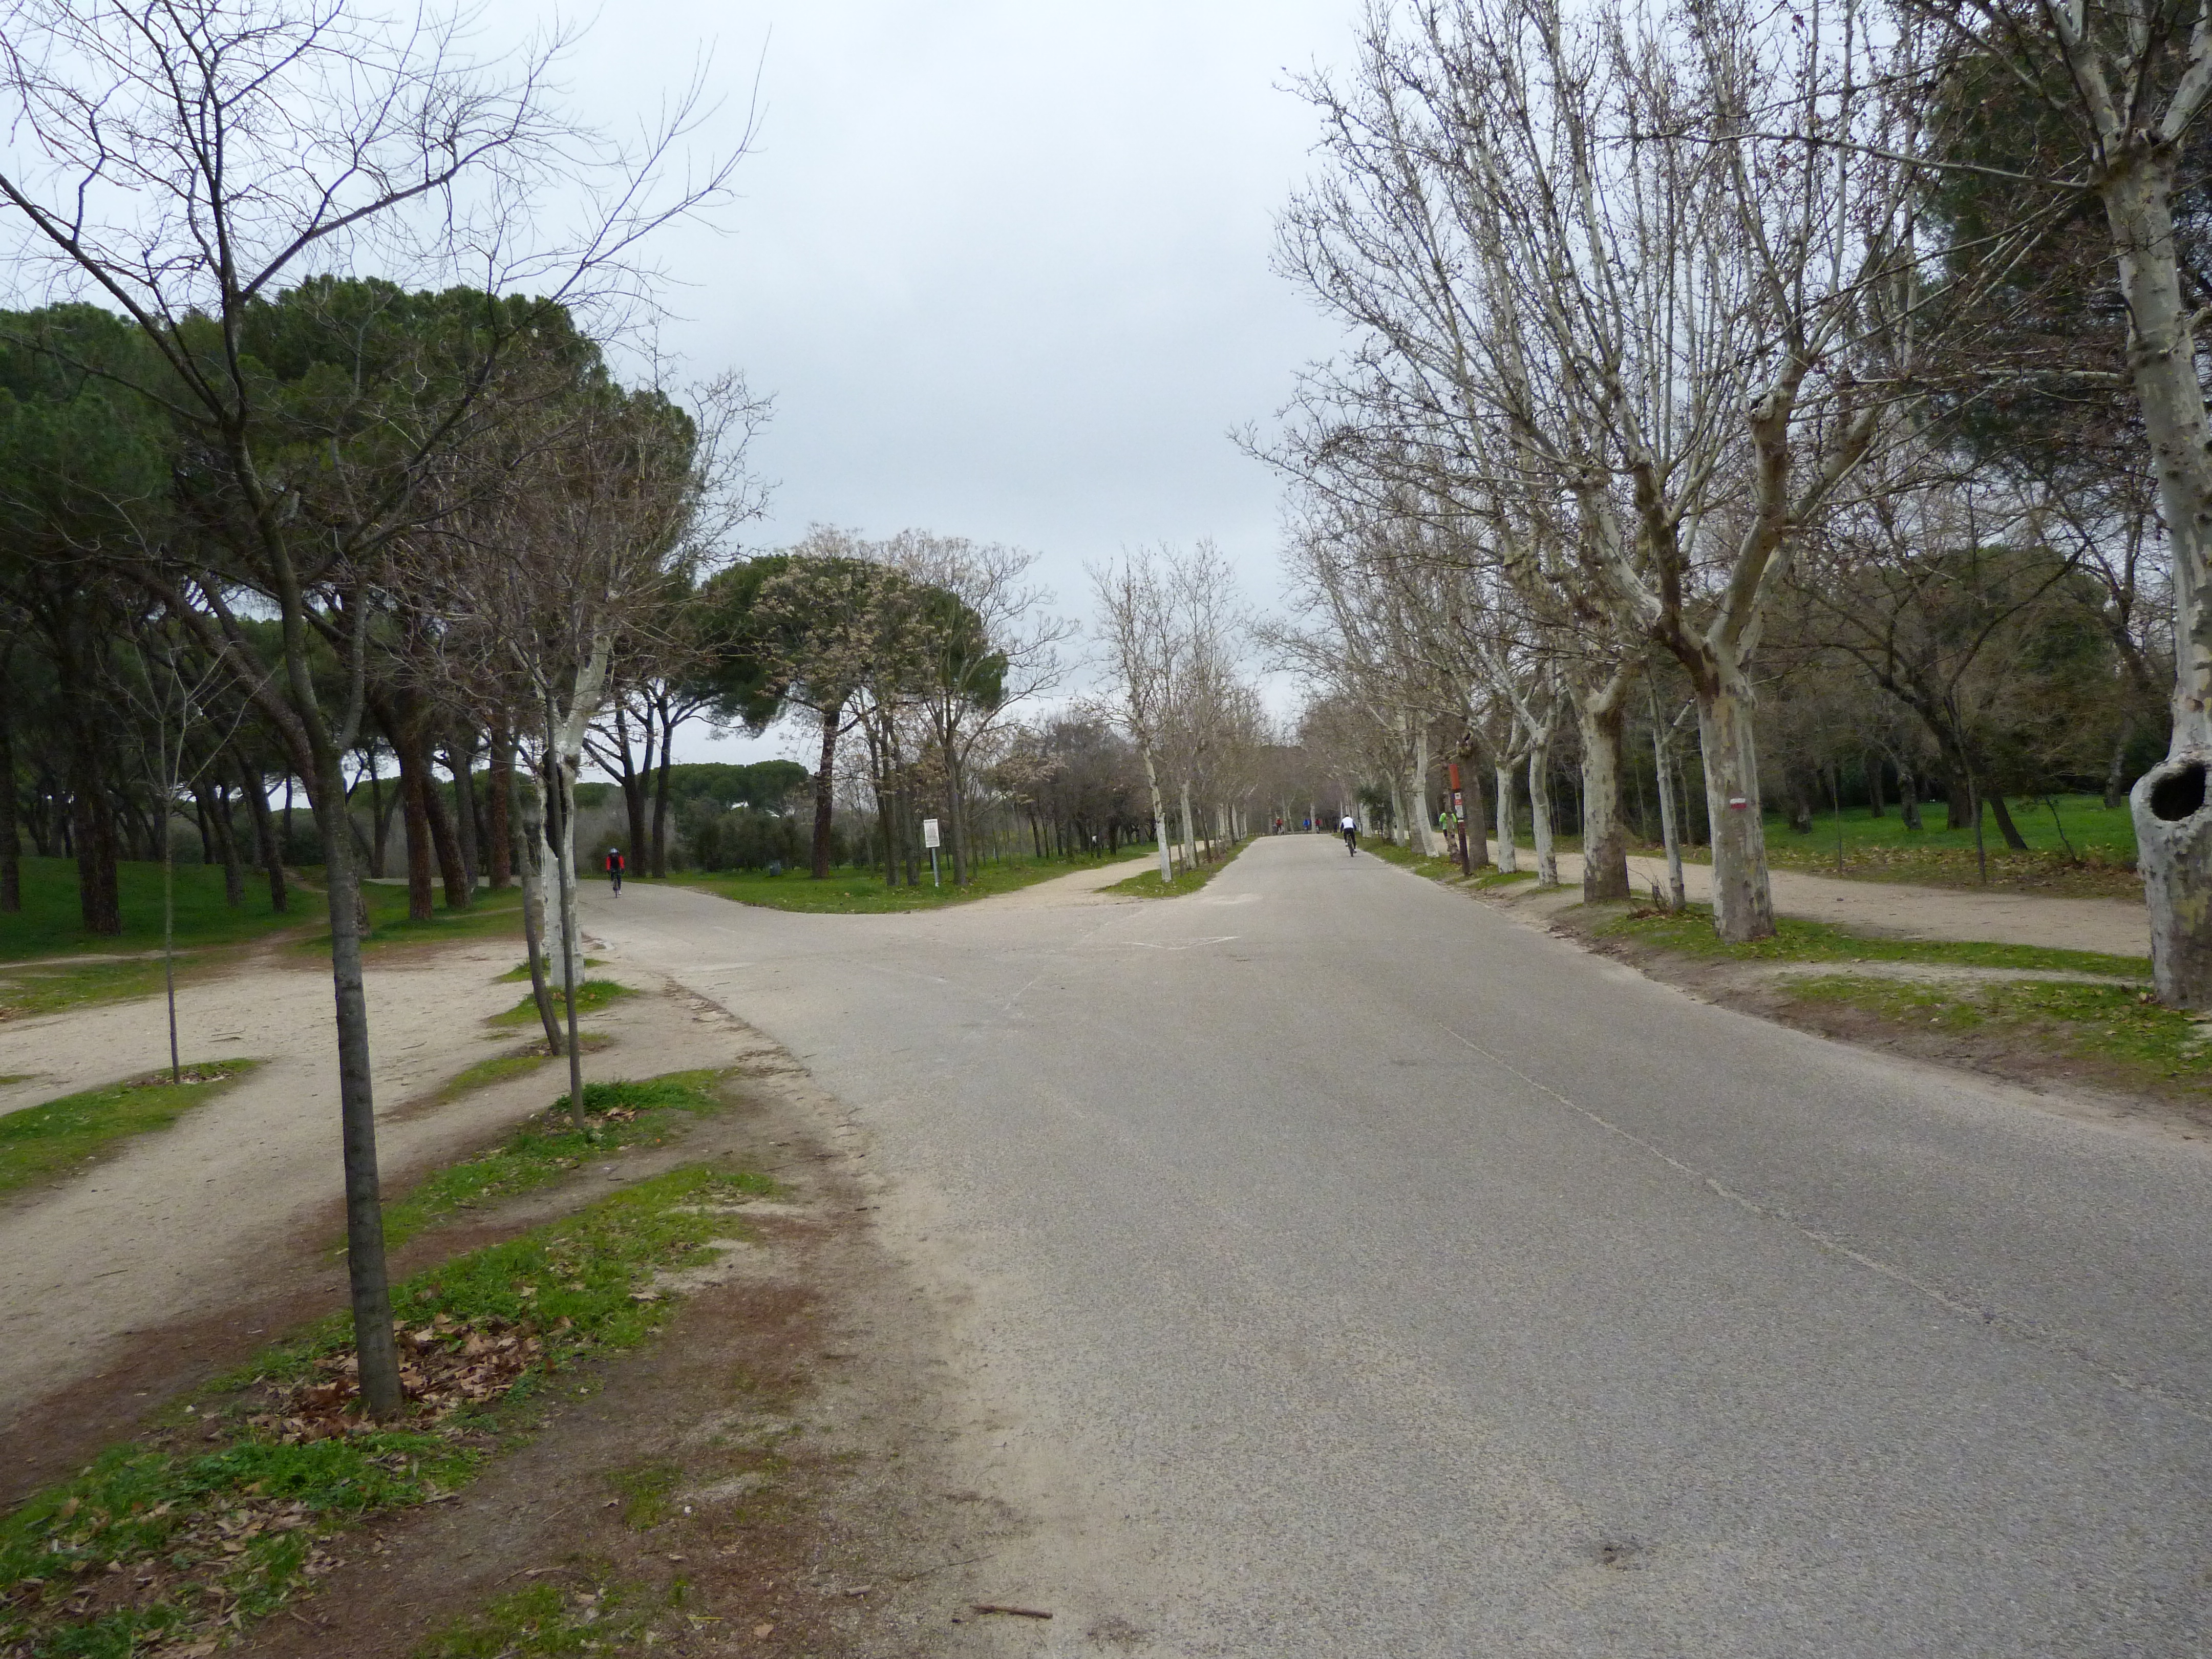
<point>929,839</point>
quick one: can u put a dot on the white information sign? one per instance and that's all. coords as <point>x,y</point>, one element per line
<point>929,837</point>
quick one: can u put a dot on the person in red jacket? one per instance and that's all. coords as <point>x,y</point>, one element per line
<point>615,867</point>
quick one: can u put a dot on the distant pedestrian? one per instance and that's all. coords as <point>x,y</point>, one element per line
<point>616,866</point>
<point>1350,826</point>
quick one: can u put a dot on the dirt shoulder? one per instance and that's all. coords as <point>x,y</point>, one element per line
<point>2115,927</point>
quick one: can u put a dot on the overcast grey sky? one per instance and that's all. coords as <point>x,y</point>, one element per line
<point>1004,267</point>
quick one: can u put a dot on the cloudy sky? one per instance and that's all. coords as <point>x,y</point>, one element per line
<point>1004,267</point>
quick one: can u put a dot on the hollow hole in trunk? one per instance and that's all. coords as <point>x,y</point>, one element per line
<point>2179,794</point>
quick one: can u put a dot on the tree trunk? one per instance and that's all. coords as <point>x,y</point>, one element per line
<point>2006,827</point>
<point>660,799</point>
<point>11,849</point>
<point>1600,717</point>
<point>452,874</point>
<point>1508,856</point>
<point>1159,818</point>
<point>1663,768</point>
<point>499,779</point>
<point>2173,826</point>
<point>1540,815</point>
<point>461,760</point>
<point>1908,798</point>
<point>1959,803</point>
<point>415,798</point>
<point>825,795</point>
<point>1801,802</point>
<point>379,816</point>
<point>99,900</point>
<point>215,809</point>
<point>1423,838</point>
<point>2116,773</point>
<point>1743,904</point>
<point>254,784</point>
<point>1189,829</point>
<point>526,816</point>
<point>376,1353</point>
<point>1474,824</point>
<point>1873,785</point>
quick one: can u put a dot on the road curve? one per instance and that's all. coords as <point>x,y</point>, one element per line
<point>1355,1271</point>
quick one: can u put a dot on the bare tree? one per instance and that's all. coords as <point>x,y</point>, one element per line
<point>187,159</point>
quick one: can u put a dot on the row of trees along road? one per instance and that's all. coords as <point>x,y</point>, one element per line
<point>1171,629</point>
<point>319,412</point>
<point>1700,351</point>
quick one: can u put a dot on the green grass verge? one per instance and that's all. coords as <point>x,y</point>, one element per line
<point>490,915</point>
<point>519,974</point>
<point>1186,880</point>
<point>1691,933</point>
<point>50,987</point>
<point>55,1138</point>
<point>217,1518</point>
<point>2087,850</point>
<point>2121,1029</point>
<point>850,891</point>
<point>52,923</point>
<point>545,1147</point>
<point>1446,869</point>
<point>592,995</point>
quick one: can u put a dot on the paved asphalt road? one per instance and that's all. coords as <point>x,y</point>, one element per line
<point>1357,1271</point>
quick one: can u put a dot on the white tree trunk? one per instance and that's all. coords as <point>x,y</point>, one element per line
<point>1664,765</point>
<point>1508,856</point>
<point>1599,718</point>
<point>1189,828</point>
<point>1424,839</point>
<point>1539,817</point>
<point>1743,905</point>
<point>2169,804</point>
<point>1159,819</point>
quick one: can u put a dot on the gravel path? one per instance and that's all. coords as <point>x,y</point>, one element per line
<point>2109,925</point>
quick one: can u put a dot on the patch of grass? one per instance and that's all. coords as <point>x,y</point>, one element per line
<point>217,1518</point>
<point>53,987</point>
<point>592,995</point>
<point>61,1135</point>
<point>1188,879</point>
<point>52,923</point>
<point>492,913</point>
<point>545,1147</point>
<point>2151,1045</point>
<point>851,892</point>
<point>498,1069</point>
<point>543,1619</point>
<point>1406,859</point>
<point>519,974</point>
<point>2093,857</point>
<point>646,1491</point>
<point>1690,932</point>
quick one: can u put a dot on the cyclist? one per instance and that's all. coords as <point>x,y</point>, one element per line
<point>1350,827</point>
<point>615,867</point>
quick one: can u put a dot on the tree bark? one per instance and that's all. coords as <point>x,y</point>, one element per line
<point>445,844</point>
<point>825,795</point>
<point>11,849</point>
<point>461,760</point>
<point>1743,904</point>
<point>1508,856</point>
<point>500,813</point>
<point>526,818</point>
<point>99,901</point>
<point>660,797</point>
<point>215,809</point>
<point>414,801</point>
<point>2013,839</point>
<point>1540,815</point>
<point>1473,822</point>
<point>254,785</point>
<point>1425,836</point>
<point>1600,717</point>
<point>1159,818</point>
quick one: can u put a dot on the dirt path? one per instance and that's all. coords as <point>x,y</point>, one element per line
<point>1935,913</point>
<point>182,1245</point>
